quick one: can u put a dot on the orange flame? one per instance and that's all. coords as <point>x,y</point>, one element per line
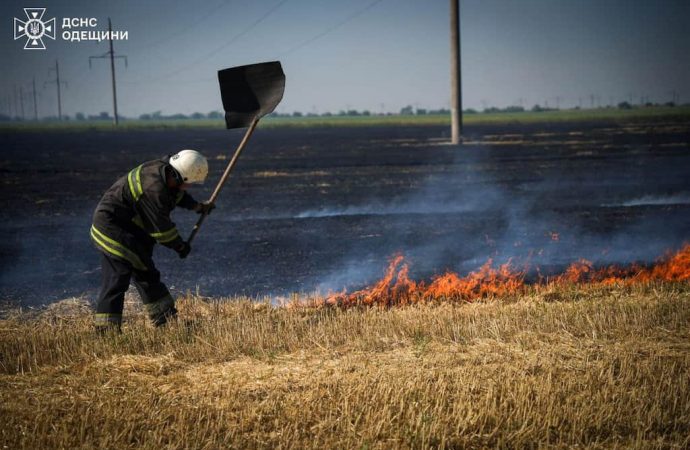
<point>396,287</point>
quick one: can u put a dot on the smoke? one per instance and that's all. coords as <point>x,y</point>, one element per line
<point>351,200</point>
<point>432,199</point>
<point>540,215</point>
<point>681,198</point>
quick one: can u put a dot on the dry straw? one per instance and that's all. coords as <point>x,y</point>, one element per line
<point>568,366</point>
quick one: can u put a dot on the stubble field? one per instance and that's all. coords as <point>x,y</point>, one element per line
<point>551,365</point>
<point>596,367</point>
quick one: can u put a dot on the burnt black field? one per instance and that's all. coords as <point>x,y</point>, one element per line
<point>325,208</point>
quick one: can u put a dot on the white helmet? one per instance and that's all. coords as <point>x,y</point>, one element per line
<point>191,165</point>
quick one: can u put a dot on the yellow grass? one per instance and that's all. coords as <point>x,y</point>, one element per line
<point>568,367</point>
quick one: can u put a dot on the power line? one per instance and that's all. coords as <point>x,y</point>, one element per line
<point>191,26</point>
<point>217,49</point>
<point>246,30</point>
<point>333,28</point>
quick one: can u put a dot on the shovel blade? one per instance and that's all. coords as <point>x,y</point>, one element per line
<point>250,92</point>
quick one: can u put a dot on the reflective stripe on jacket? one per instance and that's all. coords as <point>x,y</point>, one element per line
<point>134,214</point>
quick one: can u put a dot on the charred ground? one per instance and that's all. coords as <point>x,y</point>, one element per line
<point>326,207</point>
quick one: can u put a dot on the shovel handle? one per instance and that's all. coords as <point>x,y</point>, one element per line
<point>225,176</point>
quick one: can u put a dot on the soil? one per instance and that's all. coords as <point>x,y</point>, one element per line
<point>325,208</point>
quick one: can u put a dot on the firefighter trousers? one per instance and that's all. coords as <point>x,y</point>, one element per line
<point>116,276</point>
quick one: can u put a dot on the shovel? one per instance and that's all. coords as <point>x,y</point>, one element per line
<point>248,93</point>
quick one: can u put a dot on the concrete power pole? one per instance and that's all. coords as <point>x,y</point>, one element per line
<point>111,54</point>
<point>455,74</point>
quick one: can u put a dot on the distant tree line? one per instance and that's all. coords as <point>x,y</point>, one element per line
<point>105,116</point>
<point>157,115</point>
<point>408,110</point>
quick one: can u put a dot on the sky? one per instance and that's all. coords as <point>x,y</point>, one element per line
<point>376,55</point>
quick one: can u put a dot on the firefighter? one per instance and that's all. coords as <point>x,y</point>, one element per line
<point>134,215</point>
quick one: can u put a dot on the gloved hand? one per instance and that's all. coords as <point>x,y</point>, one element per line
<point>183,250</point>
<point>204,207</point>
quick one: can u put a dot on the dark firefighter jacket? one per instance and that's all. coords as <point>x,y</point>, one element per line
<point>134,214</point>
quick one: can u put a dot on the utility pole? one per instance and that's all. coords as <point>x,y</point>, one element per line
<point>112,69</point>
<point>111,54</point>
<point>455,74</point>
<point>21,101</point>
<point>57,83</point>
<point>674,97</point>
<point>35,103</point>
<point>16,103</point>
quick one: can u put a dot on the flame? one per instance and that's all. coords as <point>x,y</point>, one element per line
<point>396,287</point>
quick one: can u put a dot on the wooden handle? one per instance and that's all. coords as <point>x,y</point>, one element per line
<point>225,176</point>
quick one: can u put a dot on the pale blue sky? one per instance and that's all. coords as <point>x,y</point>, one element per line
<point>361,54</point>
